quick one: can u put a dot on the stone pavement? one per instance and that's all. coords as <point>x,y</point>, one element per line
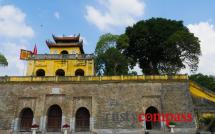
<point>150,132</point>
<point>118,131</point>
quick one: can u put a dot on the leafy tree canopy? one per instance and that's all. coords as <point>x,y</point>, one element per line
<point>109,59</point>
<point>204,80</point>
<point>115,62</point>
<point>105,42</point>
<point>160,46</point>
<point>3,60</point>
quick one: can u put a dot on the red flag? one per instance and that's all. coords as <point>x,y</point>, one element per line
<point>35,50</point>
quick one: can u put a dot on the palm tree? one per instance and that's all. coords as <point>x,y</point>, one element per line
<point>3,60</point>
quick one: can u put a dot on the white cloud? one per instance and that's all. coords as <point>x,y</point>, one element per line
<point>57,15</point>
<point>15,65</point>
<point>12,23</point>
<point>14,34</point>
<point>116,13</point>
<point>206,34</point>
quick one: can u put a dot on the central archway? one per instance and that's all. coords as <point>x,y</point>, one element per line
<point>26,119</point>
<point>82,120</point>
<point>64,52</point>
<point>54,119</point>
<point>60,72</point>
<point>40,72</point>
<point>151,124</point>
<point>79,72</point>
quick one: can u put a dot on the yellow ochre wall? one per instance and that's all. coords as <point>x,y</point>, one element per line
<point>70,50</point>
<point>69,66</point>
<point>50,66</point>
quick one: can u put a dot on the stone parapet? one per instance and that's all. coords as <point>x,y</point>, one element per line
<point>93,78</point>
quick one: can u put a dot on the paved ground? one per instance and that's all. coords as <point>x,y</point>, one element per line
<point>115,132</point>
<point>152,132</point>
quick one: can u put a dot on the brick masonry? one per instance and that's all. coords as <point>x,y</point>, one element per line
<point>109,103</point>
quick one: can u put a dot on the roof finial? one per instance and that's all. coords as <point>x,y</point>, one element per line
<point>53,36</point>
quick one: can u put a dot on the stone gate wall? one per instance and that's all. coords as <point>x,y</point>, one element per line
<point>112,104</point>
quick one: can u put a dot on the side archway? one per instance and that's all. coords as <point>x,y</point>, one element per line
<point>82,120</point>
<point>40,72</point>
<point>79,72</point>
<point>26,119</point>
<point>150,124</point>
<point>54,119</point>
<point>60,72</point>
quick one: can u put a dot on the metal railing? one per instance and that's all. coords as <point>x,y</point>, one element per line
<point>91,78</point>
<point>60,56</point>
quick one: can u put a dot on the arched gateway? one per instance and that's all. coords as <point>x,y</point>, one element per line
<point>40,72</point>
<point>54,119</point>
<point>26,119</point>
<point>79,72</point>
<point>151,124</point>
<point>60,72</point>
<point>82,120</point>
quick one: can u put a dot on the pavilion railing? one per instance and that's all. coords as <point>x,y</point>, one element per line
<point>60,56</point>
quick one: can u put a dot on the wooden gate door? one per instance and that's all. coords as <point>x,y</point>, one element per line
<point>26,119</point>
<point>150,124</point>
<point>54,119</point>
<point>82,122</point>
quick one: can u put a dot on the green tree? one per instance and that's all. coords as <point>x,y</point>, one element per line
<point>161,46</point>
<point>115,62</point>
<point>109,59</point>
<point>105,42</point>
<point>3,60</point>
<point>204,80</point>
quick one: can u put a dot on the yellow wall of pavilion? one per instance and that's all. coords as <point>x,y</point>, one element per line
<point>69,66</point>
<point>70,50</point>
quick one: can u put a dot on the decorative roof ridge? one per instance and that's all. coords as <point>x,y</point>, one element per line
<point>63,38</point>
<point>49,42</point>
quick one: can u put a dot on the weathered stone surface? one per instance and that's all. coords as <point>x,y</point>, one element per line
<point>111,104</point>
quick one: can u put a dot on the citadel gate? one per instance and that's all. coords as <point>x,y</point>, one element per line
<point>54,118</point>
<point>82,122</point>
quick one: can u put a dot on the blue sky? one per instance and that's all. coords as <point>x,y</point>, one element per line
<point>24,23</point>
